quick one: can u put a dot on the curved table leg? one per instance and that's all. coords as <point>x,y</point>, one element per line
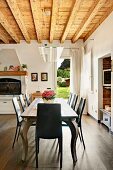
<point>74,134</point>
<point>25,127</point>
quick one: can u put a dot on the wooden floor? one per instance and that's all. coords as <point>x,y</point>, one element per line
<point>97,156</point>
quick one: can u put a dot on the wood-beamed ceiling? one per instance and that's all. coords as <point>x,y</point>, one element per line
<point>18,17</point>
<point>51,19</point>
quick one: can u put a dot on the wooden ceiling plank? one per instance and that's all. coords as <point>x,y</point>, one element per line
<point>72,17</point>
<point>7,27</point>
<point>54,15</point>
<point>18,17</point>
<point>3,37</point>
<point>86,21</point>
<point>36,13</point>
<point>100,21</point>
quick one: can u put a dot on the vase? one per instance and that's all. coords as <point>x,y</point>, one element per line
<point>24,69</point>
<point>48,101</point>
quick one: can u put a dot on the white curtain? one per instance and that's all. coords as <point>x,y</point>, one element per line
<point>80,73</point>
<point>75,71</point>
<point>85,83</point>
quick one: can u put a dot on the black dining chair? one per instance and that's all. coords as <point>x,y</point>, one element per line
<point>27,99</point>
<point>18,112</point>
<point>48,126</point>
<point>18,117</point>
<point>74,101</point>
<point>22,102</point>
<point>69,99</point>
<point>79,112</point>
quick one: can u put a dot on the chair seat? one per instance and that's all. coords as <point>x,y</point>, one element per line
<point>64,124</point>
<point>34,124</point>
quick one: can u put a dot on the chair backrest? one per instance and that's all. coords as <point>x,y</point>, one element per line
<point>74,101</point>
<point>27,100</point>
<point>17,109</point>
<point>22,102</point>
<point>49,123</point>
<point>80,110</point>
<point>69,99</point>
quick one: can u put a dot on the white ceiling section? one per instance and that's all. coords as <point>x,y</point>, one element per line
<point>50,54</point>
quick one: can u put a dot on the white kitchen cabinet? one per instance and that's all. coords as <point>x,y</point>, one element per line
<point>106,120</point>
<point>6,105</point>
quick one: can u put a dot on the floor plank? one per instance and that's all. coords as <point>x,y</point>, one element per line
<point>97,156</point>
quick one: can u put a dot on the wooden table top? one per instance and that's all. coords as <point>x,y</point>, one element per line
<point>37,94</point>
<point>66,110</point>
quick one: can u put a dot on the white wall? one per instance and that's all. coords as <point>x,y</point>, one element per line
<point>8,57</point>
<point>101,46</point>
<point>28,54</point>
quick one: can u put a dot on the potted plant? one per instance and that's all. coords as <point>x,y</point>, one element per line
<point>48,95</point>
<point>24,67</point>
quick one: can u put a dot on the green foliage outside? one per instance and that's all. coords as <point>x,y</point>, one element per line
<point>63,92</point>
<point>61,84</point>
<point>65,64</point>
<point>63,73</point>
<point>59,79</point>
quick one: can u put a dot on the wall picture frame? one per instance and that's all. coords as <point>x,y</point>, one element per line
<point>34,76</point>
<point>44,76</point>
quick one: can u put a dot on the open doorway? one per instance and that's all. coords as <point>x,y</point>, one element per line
<point>63,78</point>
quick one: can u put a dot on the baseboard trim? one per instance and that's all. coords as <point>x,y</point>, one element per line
<point>98,121</point>
<point>93,118</point>
<point>110,131</point>
<point>6,114</point>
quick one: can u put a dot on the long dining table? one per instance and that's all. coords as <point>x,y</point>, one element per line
<point>68,115</point>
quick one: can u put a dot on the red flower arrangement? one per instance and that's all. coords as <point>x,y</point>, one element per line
<point>48,94</point>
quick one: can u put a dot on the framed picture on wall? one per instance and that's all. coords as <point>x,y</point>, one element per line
<point>34,76</point>
<point>44,76</point>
